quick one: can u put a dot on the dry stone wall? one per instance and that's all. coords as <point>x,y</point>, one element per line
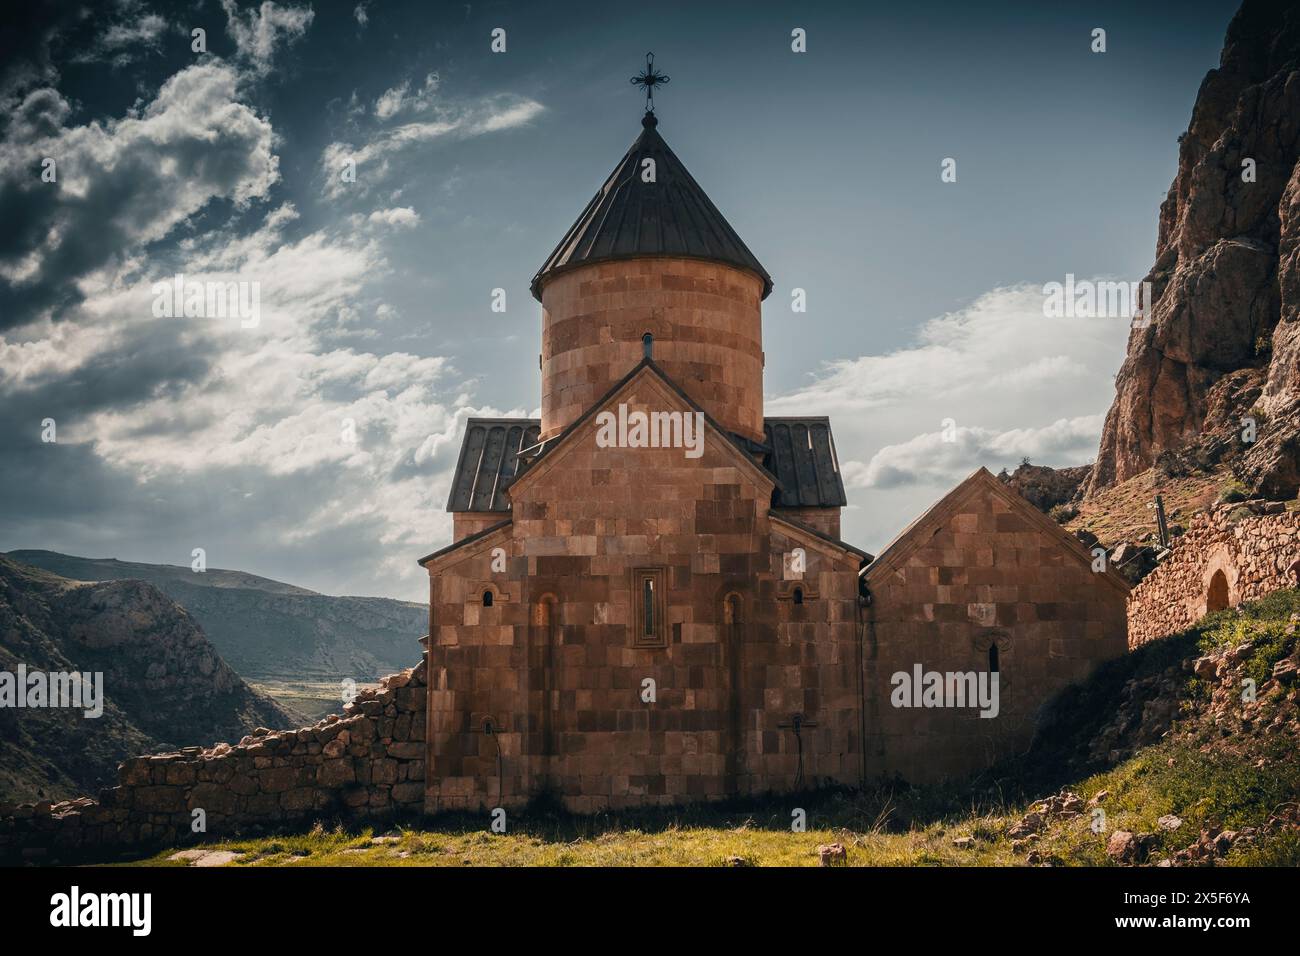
<point>1255,554</point>
<point>370,762</point>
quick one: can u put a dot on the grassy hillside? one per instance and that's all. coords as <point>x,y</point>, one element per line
<point>1125,513</point>
<point>1160,742</point>
<point>272,633</point>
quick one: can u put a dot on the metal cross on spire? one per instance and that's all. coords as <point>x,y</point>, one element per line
<point>649,78</point>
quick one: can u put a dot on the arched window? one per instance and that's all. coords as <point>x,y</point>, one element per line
<point>648,345</point>
<point>487,598</point>
<point>1216,598</point>
<point>798,595</point>
<point>993,659</point>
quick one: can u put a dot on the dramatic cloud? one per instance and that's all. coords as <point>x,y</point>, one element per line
<point>281,437</point>
<point>120,184</point>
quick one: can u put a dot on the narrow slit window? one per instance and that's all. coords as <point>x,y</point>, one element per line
<point>648,591</point>
<point>993,658</point>
<point>648,599</point>
<point>798,595</point>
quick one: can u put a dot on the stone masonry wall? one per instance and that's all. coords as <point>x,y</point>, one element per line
<point>987,576</point>
<point>367,763</point>
<point>1256,553</point>
<point>556,663</point>
<point>705,319</point>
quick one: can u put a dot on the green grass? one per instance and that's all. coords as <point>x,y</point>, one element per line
<point>1200,773</point>
<point>693,837</point>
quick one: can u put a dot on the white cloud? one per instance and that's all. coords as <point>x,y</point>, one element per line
<point>1013,383</point>
<point>930,459</point>
<point>375,160</point>
<point>123,40</point>
<point>258,31</point>
<point>400,99</point>
<point>402,217</point>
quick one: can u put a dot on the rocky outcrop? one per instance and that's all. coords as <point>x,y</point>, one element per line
<point>368,763</point>
<point>163,684</point>
<point>1225,283</point>
<point>1046,488</point>
<point>268,630</point>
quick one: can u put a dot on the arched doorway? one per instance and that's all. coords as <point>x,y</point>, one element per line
<point>1216,597</point>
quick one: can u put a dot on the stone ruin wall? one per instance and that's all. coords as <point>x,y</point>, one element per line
<point>369,763</point>
<point>1257,554</point>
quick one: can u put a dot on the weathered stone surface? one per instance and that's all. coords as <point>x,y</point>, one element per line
<point>1224,558</point>
<point>1225,282</point>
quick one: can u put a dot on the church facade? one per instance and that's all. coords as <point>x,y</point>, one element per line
<point>647,599</point>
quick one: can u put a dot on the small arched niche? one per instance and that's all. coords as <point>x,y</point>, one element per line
<point>1216,595</point>
<point>733,611</point>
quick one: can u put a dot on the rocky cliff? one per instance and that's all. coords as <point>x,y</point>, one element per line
<point>1223,342</point>
<point>164,685</point>
<point>268,630</point>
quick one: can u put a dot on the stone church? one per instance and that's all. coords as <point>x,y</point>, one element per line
<point>648,600</point>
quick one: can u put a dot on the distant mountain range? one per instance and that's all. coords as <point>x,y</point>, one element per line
<point>268,630</point>
<point>163,685</point>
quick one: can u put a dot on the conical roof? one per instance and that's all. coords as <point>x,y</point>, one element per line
<point>630,218</point>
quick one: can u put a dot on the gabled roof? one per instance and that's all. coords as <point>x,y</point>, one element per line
<point>799,454</point>
<point>465,542</point>
<point>916,534</point>
<point>646,365</point>
<point>802,457</point>
<point>629,218</point>
<point>812,532</point>
<point>488,462</point>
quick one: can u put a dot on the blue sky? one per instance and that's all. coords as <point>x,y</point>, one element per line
<point>924,297</point>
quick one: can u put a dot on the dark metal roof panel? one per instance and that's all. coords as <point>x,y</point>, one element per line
<point>630,218</point>
<point>802,457</point>
<point>489,461</point>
